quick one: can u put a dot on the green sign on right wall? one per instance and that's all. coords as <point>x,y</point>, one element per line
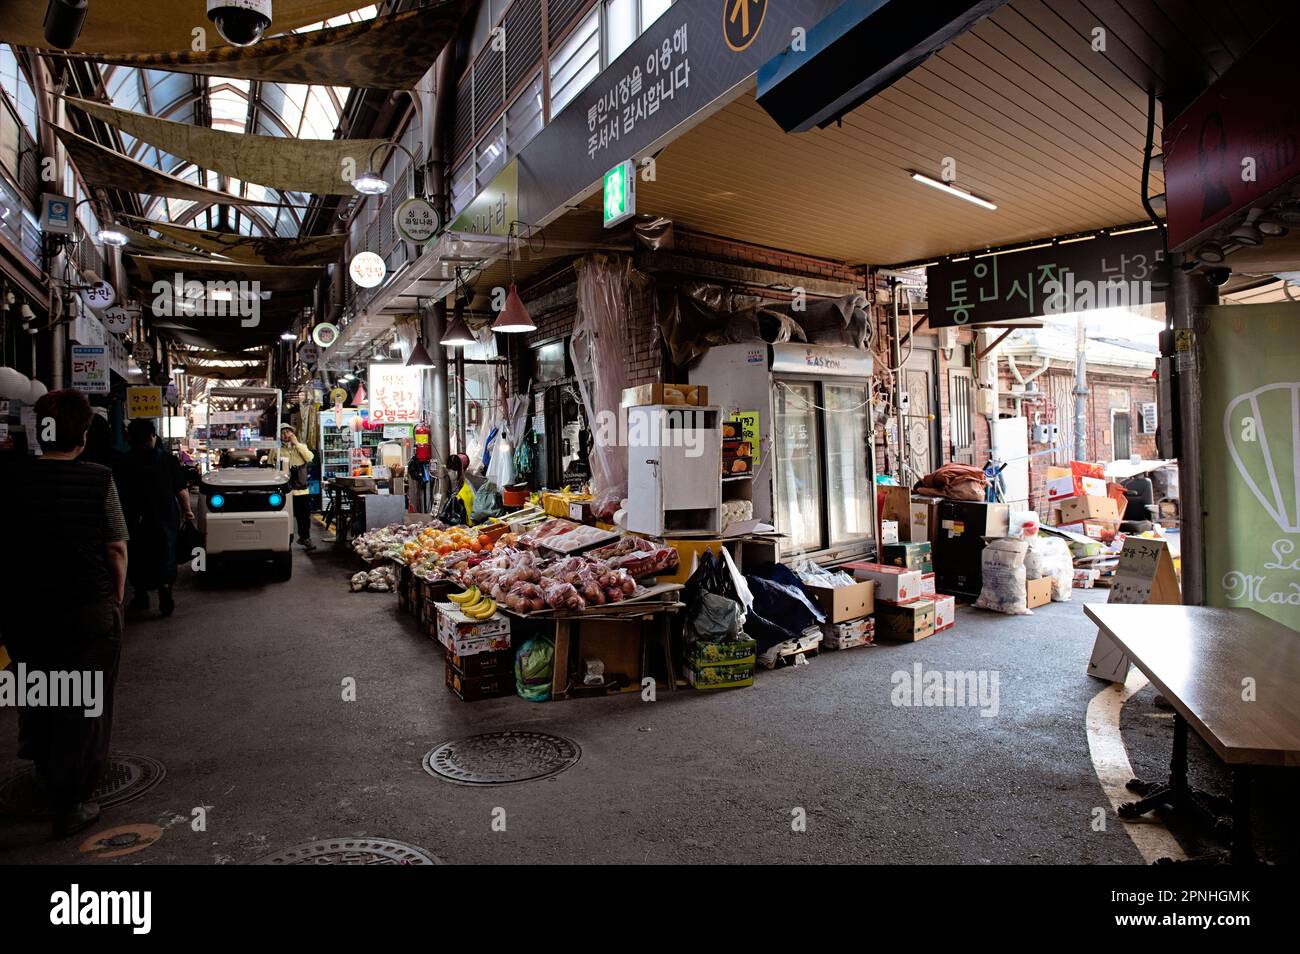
<point>1250,426</point>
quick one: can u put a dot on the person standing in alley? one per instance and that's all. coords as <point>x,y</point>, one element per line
<point>297,456</point>
<point>155,498</point>
<point>62,580</point>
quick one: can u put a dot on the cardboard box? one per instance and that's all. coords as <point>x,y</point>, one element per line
<point>720,677</point>
<point>1076,509</point>
<point>489,663</point>
<point>1058,488</point>
<point>912,556</point>
<point>945,612</point>
<point>735,652</point>
<point>888,532</point>
<point>905,622</point>
<point>677,394</point>
<point>843,603</point>
<point>469,637</point>
<point>580,511</point>
<point>858,632</point>
<point>1040,592</point>
<point>894,503</point>
<point>893,583</point>
<point>474,688</point>
<point>1103,530</point>
<point>923,514</point>
<point>928,587</point>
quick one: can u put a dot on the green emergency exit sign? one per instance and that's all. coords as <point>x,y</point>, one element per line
<point>620,193</point>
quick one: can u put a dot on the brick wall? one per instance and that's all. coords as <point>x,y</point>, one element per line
<point>1105,389</point>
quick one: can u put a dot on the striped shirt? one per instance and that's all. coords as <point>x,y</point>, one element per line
<point>114,520</point>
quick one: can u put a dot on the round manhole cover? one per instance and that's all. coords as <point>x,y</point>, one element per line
<point>498,758</point>
<point>116,842</point>
<point>351,851</point>
<point>126,778</point>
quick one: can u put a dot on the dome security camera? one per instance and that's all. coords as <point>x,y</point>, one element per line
<point>241,22</point>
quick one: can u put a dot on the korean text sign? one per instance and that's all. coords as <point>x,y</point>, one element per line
<point>395,396</point>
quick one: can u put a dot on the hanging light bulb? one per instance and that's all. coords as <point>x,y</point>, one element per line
<point>457,334</point>
<point>514,317</point>
<point>370,183</point>
<point>111,236</point>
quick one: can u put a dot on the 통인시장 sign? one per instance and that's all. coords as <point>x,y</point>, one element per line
<point>1106,272</point>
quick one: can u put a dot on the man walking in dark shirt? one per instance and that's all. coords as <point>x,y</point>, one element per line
<point>62,580</point>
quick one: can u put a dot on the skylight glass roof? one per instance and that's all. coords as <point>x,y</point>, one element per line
<point>231,105</point>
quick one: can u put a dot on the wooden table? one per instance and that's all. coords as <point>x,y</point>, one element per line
<point>1231,674</point>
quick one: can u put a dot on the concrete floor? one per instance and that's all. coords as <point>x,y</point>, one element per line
<point>239,695</point>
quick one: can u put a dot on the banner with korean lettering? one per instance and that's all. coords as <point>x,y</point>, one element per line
<point>680,65</point>
<point>1112,271</point>
<point>395,396</point>
<point>90,369</point>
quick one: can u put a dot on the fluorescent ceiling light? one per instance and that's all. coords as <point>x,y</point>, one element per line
<point>953,190</point>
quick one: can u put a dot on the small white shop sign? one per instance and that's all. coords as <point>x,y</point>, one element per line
<point>394,394</point>
<point>90,369</point>
<point>416,220</point>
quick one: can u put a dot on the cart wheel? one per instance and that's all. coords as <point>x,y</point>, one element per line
<point>282,564</point>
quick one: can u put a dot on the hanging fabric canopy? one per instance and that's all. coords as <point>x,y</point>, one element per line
<point>255,250</point>
<point>140,242</point>
<point>128,26</point>
<point>278,278</point>
<point>102,167</point>
<point>290,165</point>
<point>386,52</point>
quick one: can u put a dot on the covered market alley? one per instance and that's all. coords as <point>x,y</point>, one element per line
<point>650,431</point>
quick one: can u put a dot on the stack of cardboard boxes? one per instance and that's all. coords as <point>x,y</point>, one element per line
<point>848,612</point>
<point>721,665</point>
<point>480,663</point>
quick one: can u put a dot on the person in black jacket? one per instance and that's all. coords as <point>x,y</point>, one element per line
<point>62,577</point>
<point>155,498</point>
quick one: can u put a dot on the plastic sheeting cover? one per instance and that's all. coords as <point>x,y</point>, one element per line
<point>600,342</point>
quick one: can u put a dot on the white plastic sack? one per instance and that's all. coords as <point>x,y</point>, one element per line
<point>1003,566</point>
<point>1057,563</point>
<point>501,465</point>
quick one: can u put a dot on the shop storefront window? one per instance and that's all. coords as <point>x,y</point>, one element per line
<point>848,483</point>
<point>798,466</point>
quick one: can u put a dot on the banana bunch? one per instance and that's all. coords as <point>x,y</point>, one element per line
<point>474,603</point>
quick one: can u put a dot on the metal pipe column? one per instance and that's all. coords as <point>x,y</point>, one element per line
<point>1188,293</point>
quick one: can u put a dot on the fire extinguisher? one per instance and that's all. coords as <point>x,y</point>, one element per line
<point>423,452</point>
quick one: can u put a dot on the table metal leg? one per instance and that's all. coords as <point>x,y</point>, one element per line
<point>1243,848</point>
<point>1181,797</point>
<point>666,646</point>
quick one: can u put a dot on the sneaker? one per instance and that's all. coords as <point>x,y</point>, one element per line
<point>307,544</point>
<point>75,819</point>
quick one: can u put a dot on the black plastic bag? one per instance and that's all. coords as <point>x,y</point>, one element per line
<point>187,538</point>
